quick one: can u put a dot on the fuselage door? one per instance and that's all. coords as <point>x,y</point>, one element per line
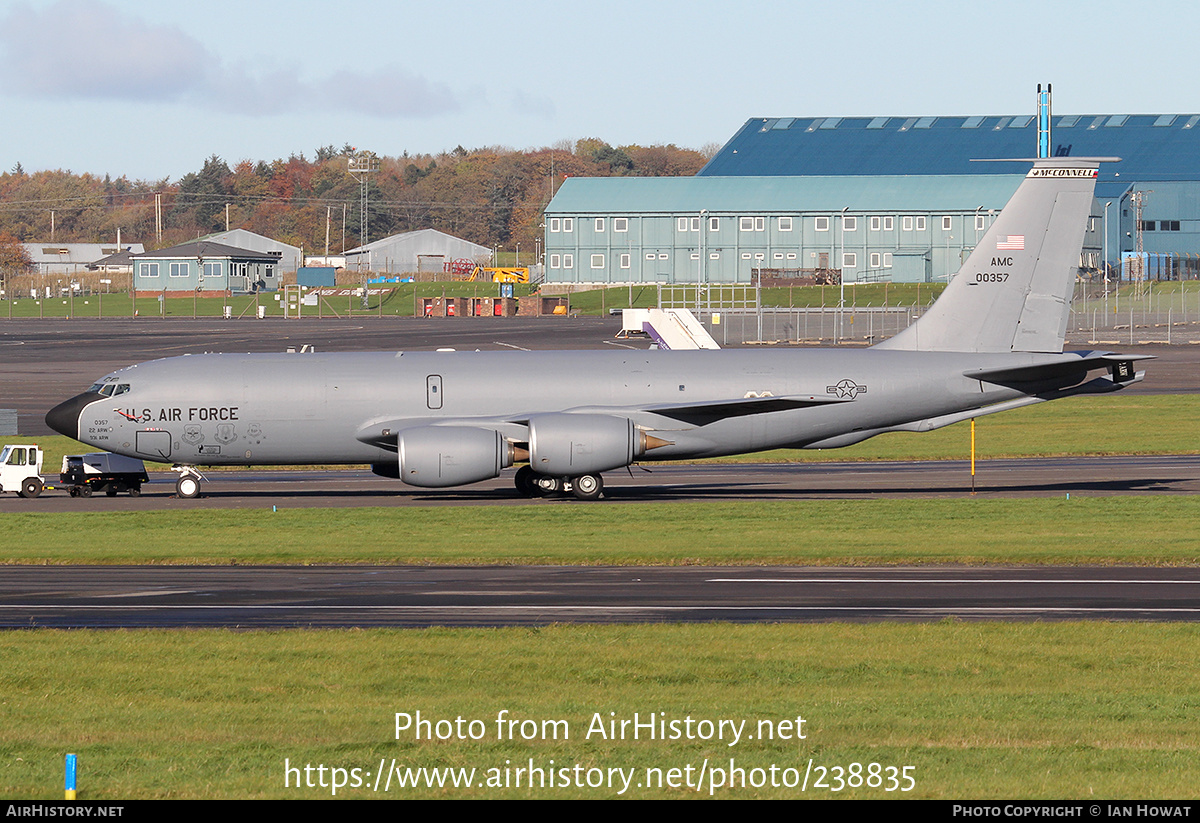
<point>433,391</point>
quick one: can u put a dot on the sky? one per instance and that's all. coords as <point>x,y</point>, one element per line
<point>149,90</point>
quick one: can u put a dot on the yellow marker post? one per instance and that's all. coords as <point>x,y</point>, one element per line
<point>972,455</point>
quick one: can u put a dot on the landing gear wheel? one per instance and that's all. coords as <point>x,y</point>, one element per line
<point>526,482</point>
<point>548,486</point>
<point>187,487</point>
<point>587,486</point>
<point>30,487</point>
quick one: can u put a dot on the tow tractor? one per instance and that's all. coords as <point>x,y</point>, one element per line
<point>21,470</point>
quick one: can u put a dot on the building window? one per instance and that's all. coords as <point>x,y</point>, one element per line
<point>649,255</point>
<point>921,223</point>
<point>760,223</point>
<point>625,261</point>
<point>555,224</point>
<point>714,224</point>
<point>212,269</point>
<point>148,269</point>
<point>681,224</point>
<point>874,224</point>
<point>745,255</point>
<point>620,224</point>
<point>1147,225</point>
<point>849,260</point>
<point>662,255</point>
<point>874,259</point>
<point>568,261</point>
<point>889,223</point>
<point>887,260</point>
<point>849,223</point>
<point>980,222</point>
<point>181,269</point>
<point>759,256</point>
<point>714,255</point>
<point>791,255</point>
<point>785,224</point>
<point>555,261</point>
<point>695,224</point>
<point>822,224</point>
<point>777,255</point>
<point>946,224</point>
<point>568,224</point>
<point>908,223</point>
<point>597,261</point>
<point>599,224</point>
<point>695,255</point>
<point>746,224</point>
<point>1168,225</point>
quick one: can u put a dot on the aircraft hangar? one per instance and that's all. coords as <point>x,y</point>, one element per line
<point>896,199</point>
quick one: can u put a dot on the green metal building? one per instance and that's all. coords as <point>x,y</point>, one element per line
<point>897,228</point>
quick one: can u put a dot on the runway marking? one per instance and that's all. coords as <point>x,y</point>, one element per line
<point>911,580</point>
<point>430,608</point>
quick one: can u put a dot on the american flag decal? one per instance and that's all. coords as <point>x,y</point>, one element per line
<point>1014,242</point>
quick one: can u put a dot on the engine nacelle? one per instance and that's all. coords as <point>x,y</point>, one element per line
<point>438,456</point>
<point>572,444</point>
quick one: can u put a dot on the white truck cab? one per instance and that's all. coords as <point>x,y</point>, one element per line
<point>21,470</point>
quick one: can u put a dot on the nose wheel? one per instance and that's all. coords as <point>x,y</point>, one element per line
<point>187,487</point>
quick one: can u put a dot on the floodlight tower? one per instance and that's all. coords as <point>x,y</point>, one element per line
<point>362,164</point>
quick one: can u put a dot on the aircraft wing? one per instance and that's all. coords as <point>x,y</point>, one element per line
<point>709,411</point>
<point>515,427</point>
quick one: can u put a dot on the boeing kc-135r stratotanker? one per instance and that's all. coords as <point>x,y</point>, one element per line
<point>992,342</point>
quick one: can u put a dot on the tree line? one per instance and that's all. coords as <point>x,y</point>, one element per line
<point>493,196</point>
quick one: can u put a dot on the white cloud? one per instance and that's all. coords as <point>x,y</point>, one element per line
<point>90,50</point>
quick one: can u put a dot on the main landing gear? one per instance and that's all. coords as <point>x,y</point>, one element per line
<point>584,486</point>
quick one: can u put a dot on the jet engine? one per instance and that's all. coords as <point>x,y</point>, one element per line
<point>568,445</point>
<point>438,456</point>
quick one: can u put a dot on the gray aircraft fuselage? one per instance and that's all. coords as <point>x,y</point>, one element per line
<point>320,408</point>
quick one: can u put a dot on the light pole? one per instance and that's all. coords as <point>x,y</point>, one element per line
<point>1106,205</point>
<point>842,276</point>
<point>702,268</point>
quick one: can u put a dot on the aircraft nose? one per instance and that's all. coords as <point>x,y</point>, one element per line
<point>64,418</point>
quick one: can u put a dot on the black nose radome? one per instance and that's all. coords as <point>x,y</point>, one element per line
<point>64,418</point>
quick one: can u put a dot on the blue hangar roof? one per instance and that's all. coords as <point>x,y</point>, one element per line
<point>1151,146</point>
<point>781,195</point>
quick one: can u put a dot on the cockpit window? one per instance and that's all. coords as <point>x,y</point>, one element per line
<point>109,389</point>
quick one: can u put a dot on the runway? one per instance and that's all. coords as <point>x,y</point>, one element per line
<point>329,597</point>
<point>1023,477</point>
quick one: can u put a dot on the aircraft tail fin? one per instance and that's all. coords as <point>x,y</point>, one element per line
<point>1014,291</point>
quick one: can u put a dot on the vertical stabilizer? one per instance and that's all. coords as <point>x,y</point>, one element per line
<point>1014,291</point>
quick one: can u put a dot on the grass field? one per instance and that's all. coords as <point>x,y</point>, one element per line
<point>401,300</point>
<point>976,710</point>
<point>1156,530</point>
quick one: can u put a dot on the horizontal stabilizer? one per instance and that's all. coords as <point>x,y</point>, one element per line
<point>1120,365</point>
